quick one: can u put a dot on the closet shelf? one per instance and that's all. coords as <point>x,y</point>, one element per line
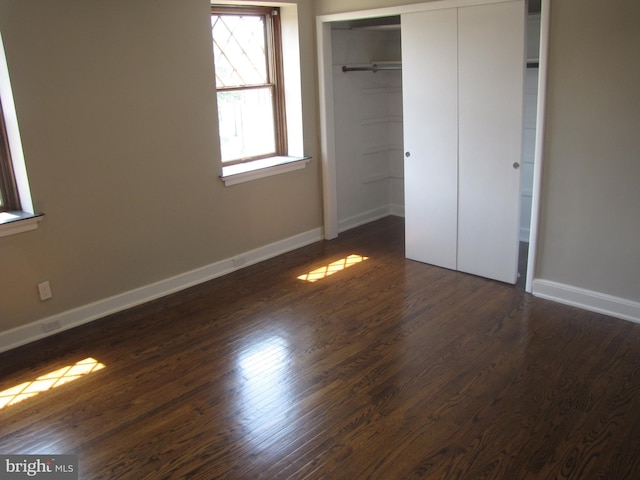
<point>373,67</point>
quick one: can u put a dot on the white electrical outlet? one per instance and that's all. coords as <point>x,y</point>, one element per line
<point>44,290</point>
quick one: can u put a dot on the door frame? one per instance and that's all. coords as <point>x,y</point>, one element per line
<point>327,113</point>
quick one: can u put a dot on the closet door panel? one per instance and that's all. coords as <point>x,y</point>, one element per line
<point>430,105</point>
<point>491,79</point>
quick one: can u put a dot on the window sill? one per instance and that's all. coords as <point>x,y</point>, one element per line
<point>265,167</point>
<point>18,222</point>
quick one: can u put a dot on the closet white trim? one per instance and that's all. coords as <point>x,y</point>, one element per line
<point>327,123</point>
<point>400,9</point>
<point>538,161</point>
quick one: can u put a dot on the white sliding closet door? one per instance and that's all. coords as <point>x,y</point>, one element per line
<point>491,81</point>
<point>430,105</point>
<point>463,75</point>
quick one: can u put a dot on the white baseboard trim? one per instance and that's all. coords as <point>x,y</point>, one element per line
<point>363,218</point>
<point>587,300</point>
<point>78,316</point>
<point>397,210</point>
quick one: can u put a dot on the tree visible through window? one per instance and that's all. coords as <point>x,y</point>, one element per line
<point>249,82</point>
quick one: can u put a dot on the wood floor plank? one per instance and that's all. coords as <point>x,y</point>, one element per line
<point>387,369</point>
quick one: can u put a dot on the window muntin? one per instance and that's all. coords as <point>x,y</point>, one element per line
<point>249,82</point>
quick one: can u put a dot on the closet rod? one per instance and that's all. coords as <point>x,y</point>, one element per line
<point>372,68</point>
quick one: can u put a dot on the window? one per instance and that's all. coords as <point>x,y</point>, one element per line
<point>9,199</point>
<point>16,207</point>
<point>249,82</point>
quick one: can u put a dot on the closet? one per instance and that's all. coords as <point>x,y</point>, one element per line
<point>439,142</point>
<point>367,98</point>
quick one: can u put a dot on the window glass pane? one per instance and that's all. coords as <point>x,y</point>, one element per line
<point>246,123</point>
<point>239,50</point>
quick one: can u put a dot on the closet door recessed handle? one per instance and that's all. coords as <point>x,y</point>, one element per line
<point>407,154</point>
<point>516,165</point>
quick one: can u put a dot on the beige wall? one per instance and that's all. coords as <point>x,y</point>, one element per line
<point>325,7</point>
<point>590,233</point>
<point>115,102</point>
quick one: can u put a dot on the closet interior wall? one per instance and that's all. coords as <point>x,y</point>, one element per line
<point>368,125</point>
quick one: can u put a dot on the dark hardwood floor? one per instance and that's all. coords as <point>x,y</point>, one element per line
<point>388,369</point>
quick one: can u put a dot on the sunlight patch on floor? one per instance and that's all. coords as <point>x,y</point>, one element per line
<point>48,381</point>
<point>335,267</point>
